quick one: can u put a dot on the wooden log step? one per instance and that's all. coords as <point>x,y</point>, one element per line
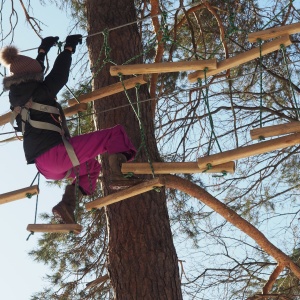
<point>75,109</point>
<point>175,167</point>
<point>4,119</point>
<point>124,194</point>
<point>242,152</point>
<point>55,228</point>
<point>274,32</point>
<point>18,194</point>
<point>163,67</point>
<point>243,58</point>
<point>275,130</point>
<point>68,111</point>
<point>109,90</point>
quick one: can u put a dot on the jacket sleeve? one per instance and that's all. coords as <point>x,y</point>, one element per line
<point>41,58</point>
<point>59,74</point>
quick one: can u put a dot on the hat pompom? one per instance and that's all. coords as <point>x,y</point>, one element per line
<point>8,54</point>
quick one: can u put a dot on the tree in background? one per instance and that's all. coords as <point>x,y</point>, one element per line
<point>213,115</point>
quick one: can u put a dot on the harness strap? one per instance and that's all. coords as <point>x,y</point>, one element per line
<point>25,115</point>
<point>45,108</point>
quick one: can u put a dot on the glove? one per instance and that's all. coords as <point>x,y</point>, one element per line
<point>73,41</point>
<point>48,42</point>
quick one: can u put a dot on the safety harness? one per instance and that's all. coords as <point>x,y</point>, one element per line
<point>25,116</point>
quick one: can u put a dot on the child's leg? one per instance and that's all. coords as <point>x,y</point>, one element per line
<point>88,175</point>
<point>55,163</point>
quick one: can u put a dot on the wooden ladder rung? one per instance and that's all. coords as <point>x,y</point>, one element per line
<point>275,130</point>
<point>274,32</point>
<point>242,58</point>
<point>124,194</point>
<point>56,228</point>
<point>242,152</point>
<point>68,111</point>
<point>19,194</point>
<point>175,168</point>
<point>109,90</point>
<point>72,110</point>
<point>163,67</point>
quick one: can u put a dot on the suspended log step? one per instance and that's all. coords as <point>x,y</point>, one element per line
<point>55,228</point>
<point>242,152</point>
<point>274,32</point>
<point>75,109</point>
<point>175,168</point>
<point>109,90</point>
<point>242,58</point>
<point>19,194</point>
<point>275,130</point>
<point>68,111</point>
<point>124,194</point>
<point>164,67</point>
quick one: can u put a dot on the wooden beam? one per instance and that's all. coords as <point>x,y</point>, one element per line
<point>109,90</point>
<point>274,32</point>
<point>18,194</point>
<point>242,152</point>
<point>175,167</point>
<point>163,67</point>
<point>56,228</point>
<point>275,130</point>
<point>72,110</point>
<point>68,111</point>
<point>4,119</point>
<point>243,58</point>
<point>124,194</point>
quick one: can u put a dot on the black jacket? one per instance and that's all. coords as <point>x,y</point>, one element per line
<point>37,141</point>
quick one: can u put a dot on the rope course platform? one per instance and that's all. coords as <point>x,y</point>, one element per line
<point>124,194</point>
<point>243,152</point>
<point>108,90</point>
<point>55,228</point>
<point>19,194</point>
<point>274,32</point>
<point>164,67</point>
<point>275,130</point>
<point>175,167</point>
<point>243,58</point>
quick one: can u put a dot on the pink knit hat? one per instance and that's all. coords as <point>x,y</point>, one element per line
<point>22,68</point>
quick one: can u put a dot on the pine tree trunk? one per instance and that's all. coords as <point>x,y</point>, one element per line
<point>142,259</point>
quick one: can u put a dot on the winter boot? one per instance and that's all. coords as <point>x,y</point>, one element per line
<point>64,211</point>
<point>117,179</point>
<point>115,164</point>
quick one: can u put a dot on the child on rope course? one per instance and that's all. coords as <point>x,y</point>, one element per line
<point>46,139</point>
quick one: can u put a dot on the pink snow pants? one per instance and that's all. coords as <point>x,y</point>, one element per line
<point>55,163</point>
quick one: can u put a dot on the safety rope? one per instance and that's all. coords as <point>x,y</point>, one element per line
<point>36,202</point>
<point>260,86</point>
<point>283,49</point>
<point>137,113</point>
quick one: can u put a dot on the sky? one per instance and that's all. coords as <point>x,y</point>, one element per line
<point>20,276</point>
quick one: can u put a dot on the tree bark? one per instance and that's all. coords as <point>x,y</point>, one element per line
<point>142,260</point>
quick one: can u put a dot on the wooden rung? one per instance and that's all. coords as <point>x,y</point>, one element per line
<point>164,67</point>
<point>72,110</point>
<point>243,58</point>
<point>12,138</point>
<point>275,130</point>
<point>124,194</point>
<point>109,90</point>
<point>18,194</point>
<point>4,119</point>
<point>274,32</point>
<point>68,111</point>
<point>57,228</point>
<point>242,152</point>
<point>175,167</point>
